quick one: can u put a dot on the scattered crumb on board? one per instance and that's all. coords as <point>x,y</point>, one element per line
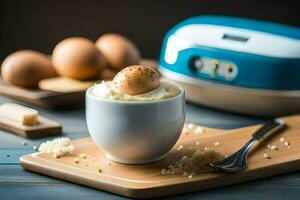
<point>194,165</point>
<point>192,128</point>
<point>57,147</point>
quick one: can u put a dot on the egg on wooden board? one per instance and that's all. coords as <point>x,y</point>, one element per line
<point>77,58</point>
<point>118,50</point>
<point>136,79</point>
<point>26,68</point>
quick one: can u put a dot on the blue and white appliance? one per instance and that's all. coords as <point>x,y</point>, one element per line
<point>240,65</point>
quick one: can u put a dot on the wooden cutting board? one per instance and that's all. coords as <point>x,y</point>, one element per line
<point>146,181</point>
<point>42,98</point>
<point>45,127</point>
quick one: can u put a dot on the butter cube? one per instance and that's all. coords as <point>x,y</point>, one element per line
<point>19,114</point>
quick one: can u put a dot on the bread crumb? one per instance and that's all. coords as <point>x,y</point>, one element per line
<point>76,160</point>
<point>206,149</point>
<point>57,147</point>
<point>55,155</point>
<point>274,147</point>
<point>179,147</point>
<point>281,140</point>
<point>267,156</point>
<point>184,157</point>
<point>199,130</point>
<point>83,156</point>
<point>217,144</point>
<point>191,126</point>
<point>196,164</point>
<point>286,143</point>
<point>197,143</point>
<point>190,176</point>
<point>269,146</point>
<point>163,171</point>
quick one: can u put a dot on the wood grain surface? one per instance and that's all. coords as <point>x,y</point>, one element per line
<point>41,98</point>
<point>45,127</point>
<point>146,181</point>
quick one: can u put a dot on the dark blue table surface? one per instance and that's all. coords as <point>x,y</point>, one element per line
<point>16,183</point>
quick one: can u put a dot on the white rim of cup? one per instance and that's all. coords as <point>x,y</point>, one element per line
<point>88,94</point>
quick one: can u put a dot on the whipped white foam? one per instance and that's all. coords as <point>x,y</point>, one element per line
<point>164,91</point>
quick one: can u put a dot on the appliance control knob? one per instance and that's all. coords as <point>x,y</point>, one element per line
<point>196,63</point>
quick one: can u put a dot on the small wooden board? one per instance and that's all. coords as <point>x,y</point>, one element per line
<point>146,181</point>
<point>42,98</point>
<point>45,127</point>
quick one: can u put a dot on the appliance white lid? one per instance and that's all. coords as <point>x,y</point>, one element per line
<point>230,38</point>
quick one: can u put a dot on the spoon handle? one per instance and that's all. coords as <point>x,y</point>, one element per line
<point>268,129</point>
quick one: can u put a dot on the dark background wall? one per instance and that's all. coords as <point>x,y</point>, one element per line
<point>40,24</point>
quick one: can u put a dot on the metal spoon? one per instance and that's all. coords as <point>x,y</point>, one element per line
<point>238,161</point>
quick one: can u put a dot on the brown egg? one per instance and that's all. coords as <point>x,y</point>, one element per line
<point>77,58</point>
<point>26,68</point>
<point>136,79</point>
<point>118,50</point>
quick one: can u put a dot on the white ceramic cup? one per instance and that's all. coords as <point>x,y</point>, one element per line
<point>135,132</point>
